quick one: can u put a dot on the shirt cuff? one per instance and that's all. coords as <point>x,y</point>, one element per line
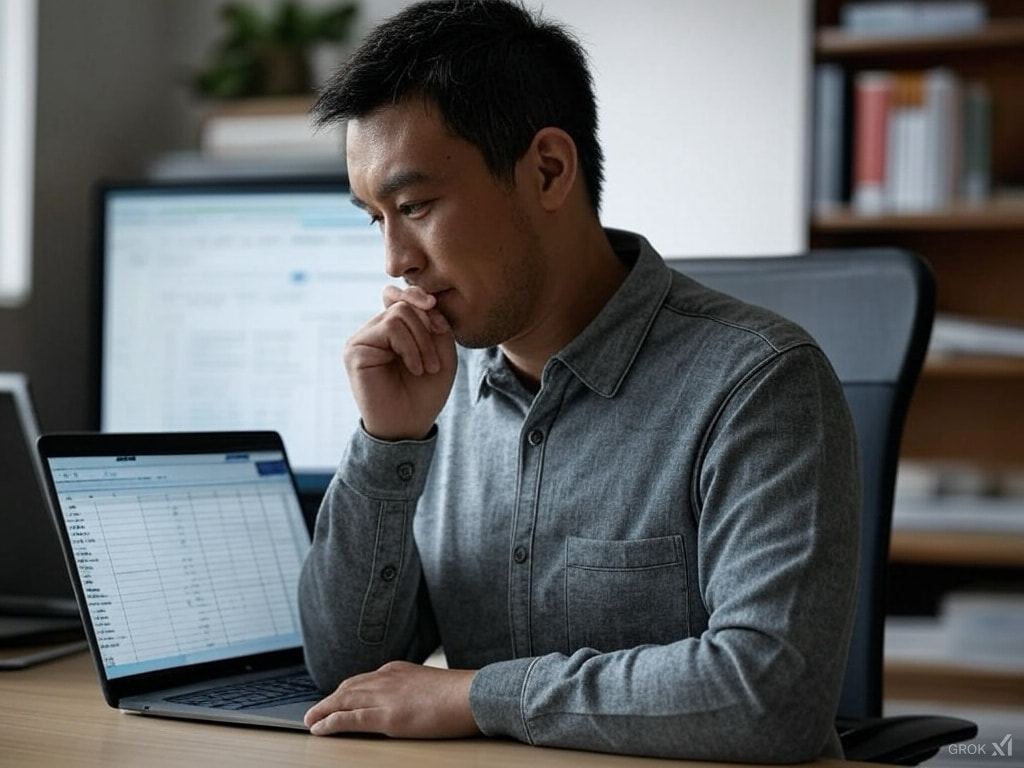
<point>496,699</point>
<point>390,471</point>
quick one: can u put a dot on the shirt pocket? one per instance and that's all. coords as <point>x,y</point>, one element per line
<point>621,594</point>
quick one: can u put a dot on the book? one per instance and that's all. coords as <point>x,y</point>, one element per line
<point>958,334</point>
<point>828,151</point>
<point>906,129</point>
<point>943,128</point>
<point>923,156</point>
<point>976,152</point>
<point>909,141</point>
<point>872,100</point>
<point>271,127</point>
<point>913,18</point>
<point>959,513</point>
<point>985,628</point>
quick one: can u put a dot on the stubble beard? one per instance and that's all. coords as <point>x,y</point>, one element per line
<point>522,281</point>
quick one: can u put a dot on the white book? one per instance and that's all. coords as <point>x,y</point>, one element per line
<point>913,18</point>
<point>265,128</point>
<point>278,135</point>
<point>985,628</point>
<point>959,334</point>
<point>958,513</point>
<point>915,147</point>
<point>905,161</point>
<point>942,107</point>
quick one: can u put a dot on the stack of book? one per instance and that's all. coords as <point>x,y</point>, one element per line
<point>912,18</point>
<point>954,334</point>
<point>945,498</point>
<point>914,141</point>
<point>267,128</point>
<point>973,629</point>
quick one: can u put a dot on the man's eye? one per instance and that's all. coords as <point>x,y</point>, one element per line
<point>411,209</point>
<point>376,220</point>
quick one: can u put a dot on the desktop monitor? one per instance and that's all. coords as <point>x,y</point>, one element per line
<point>226,305</point>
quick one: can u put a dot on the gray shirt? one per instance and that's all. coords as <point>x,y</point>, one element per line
<point>654,554</point>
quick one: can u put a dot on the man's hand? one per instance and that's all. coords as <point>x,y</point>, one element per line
<point>400,699</point>
<point>401,365</point>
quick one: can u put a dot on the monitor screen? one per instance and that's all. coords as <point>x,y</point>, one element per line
<point>226,305</point>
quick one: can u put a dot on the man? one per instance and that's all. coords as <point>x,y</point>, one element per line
<point>624,505</point>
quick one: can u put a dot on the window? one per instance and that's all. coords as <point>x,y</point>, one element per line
<point>17,123</point>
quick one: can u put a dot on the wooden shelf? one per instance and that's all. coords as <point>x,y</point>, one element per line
<point>913,681</point>
<point>965,408</point>
<point>974,367</point>
<point>957,548</point>
<point>833,42</point>
<point>1003,213</point>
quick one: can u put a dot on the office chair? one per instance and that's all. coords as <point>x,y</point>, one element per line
<point>871,310</point>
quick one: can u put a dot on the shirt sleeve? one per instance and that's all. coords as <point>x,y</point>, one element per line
<point>361,597</point>
<point>777,489</point>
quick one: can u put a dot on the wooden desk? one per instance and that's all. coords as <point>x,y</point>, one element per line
<point>54,714</point>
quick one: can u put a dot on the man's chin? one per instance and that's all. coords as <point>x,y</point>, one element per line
<point>469,340</point>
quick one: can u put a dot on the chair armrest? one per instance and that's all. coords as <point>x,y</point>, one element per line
<point>905,740</point>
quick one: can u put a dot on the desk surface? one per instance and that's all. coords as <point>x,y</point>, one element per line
<point>54,714</point>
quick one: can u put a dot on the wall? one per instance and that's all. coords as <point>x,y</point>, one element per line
<point>704,115</point>
<point>714,171</point>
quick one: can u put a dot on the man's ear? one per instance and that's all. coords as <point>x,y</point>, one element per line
<point>551,166</point>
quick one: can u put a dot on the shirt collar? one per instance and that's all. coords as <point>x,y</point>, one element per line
<point>601,355</point>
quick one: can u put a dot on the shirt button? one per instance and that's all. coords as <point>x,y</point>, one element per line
<point>405,471</point>
<point>388,573</point>
<point>536,437</point>
<point>519,554</point>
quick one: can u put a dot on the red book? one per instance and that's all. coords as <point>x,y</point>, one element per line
<point>872,100</point>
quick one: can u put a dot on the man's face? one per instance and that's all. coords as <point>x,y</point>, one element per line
<point>449,226</point>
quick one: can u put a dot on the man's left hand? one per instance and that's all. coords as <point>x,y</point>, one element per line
<point>400,699</point>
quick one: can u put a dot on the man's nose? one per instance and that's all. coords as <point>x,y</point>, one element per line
<point>402,256</point>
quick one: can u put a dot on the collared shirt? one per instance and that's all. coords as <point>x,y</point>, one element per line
<point>653,554</point>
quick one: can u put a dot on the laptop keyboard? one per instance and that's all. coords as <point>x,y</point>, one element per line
<point>257,693</point>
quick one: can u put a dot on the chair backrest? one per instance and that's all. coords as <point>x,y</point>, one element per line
<point>871,310</point>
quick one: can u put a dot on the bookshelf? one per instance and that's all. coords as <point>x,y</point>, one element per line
<point>968,408</point>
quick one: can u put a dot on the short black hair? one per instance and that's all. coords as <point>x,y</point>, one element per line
<point>496,72</point>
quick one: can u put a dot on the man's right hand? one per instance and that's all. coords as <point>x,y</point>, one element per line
<point>401,365</point>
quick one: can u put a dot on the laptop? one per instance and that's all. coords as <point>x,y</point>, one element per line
<point>37,604</point>
<point>185,551</point>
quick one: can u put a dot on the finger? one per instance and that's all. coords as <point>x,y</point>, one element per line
<point>421,300</point>
<point>345,721</point>
<point>438,322</point>
<point>413,295</point>
<point>401,332</point>
<point>412,340</point>
<point>339,700</point>
<point>346,707</point>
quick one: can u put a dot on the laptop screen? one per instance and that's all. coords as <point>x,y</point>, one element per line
<point>183,558</point>
<point>33,576</point>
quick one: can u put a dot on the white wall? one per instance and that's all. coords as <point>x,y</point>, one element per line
<point>704,115</point>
